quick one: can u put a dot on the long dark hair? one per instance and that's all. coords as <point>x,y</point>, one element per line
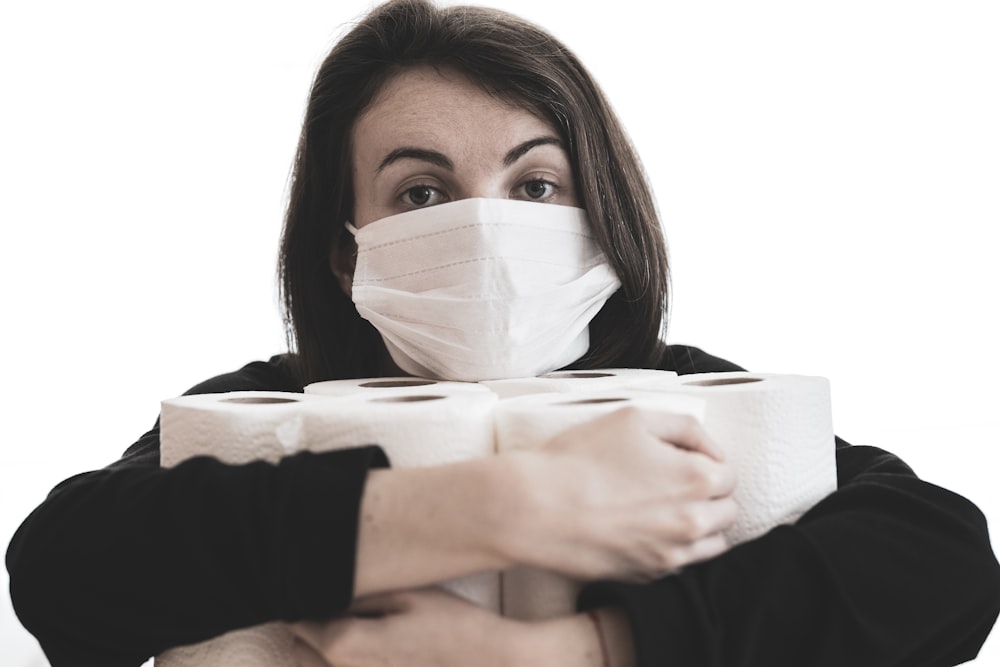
<point>516,61</point>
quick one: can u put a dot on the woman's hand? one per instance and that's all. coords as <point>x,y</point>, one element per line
<point>629,496</point>
<point>429,628</point>
<point>432,628</point>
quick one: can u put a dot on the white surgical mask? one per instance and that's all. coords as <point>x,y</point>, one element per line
<point>482,289</point>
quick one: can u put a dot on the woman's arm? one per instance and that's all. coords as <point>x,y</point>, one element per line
<point>627,496</point>
<point>119,564</point>
<point>888,569</point>
<point>435,629</point>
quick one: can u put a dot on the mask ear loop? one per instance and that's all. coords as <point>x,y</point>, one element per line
<point>351,228</point>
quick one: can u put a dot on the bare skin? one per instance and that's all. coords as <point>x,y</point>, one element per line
<point>435,629</point>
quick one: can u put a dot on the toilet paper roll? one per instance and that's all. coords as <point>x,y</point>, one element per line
<point>777,432</point>
<point>582,380</point>
<point>528,422</point>
<point>414,430</point>
<point>234,427</point>
<point>391,386</point>
<point>444,425</point>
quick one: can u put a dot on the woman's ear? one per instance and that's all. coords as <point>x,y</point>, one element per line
<point>343,254</point>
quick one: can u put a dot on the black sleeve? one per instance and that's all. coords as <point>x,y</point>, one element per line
<point>887,570</point>
<point>685,359</point>
<point>119,564</point>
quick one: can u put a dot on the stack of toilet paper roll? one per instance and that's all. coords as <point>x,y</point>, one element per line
<point>776,430</point>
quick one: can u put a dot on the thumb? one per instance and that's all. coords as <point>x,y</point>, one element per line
<point>383,604</point>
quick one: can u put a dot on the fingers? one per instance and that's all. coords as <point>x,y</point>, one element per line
<point>397,602</point>
<point>701,477</point>
<point>340,642</point>
<point>696,520</point>
<point>684,431</point>
<point>710,547</point>
<point>695,465</point>
<point>419,633</point>
<point>310,639</point>
<point>306,656</point>
<point>692,532</point>
<point>706,474</point>
<point>680,556</point>
<point>374,606</point>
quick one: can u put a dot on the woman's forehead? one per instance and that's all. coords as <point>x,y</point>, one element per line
<point>444,107</point>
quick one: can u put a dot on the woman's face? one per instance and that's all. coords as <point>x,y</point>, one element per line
<point>431,136</point>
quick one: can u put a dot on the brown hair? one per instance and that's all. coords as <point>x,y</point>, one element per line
<point>516,61</point>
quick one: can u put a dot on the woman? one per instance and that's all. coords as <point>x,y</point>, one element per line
<point>424,109</point>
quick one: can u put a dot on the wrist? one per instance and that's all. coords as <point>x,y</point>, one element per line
<point>421,526</point>
<point>493,508</point>
<point>525,527</point>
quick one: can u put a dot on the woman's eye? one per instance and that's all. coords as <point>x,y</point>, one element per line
<point>422,195</point>
<point>538,189</point>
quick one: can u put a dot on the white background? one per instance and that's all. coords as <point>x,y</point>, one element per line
<point>828,175</point>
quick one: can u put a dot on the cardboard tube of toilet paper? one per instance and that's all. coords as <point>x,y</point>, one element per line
<point>530,421</point>
<point>777,431</point>
<point>401,385</point>
<point>583,380</point>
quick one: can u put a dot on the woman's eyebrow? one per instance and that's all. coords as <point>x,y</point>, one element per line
<point>441,160</point>
<point>413,153</point>
<point>518,151</point>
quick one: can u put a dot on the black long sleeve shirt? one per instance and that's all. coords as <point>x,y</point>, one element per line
<point>119,564</point>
